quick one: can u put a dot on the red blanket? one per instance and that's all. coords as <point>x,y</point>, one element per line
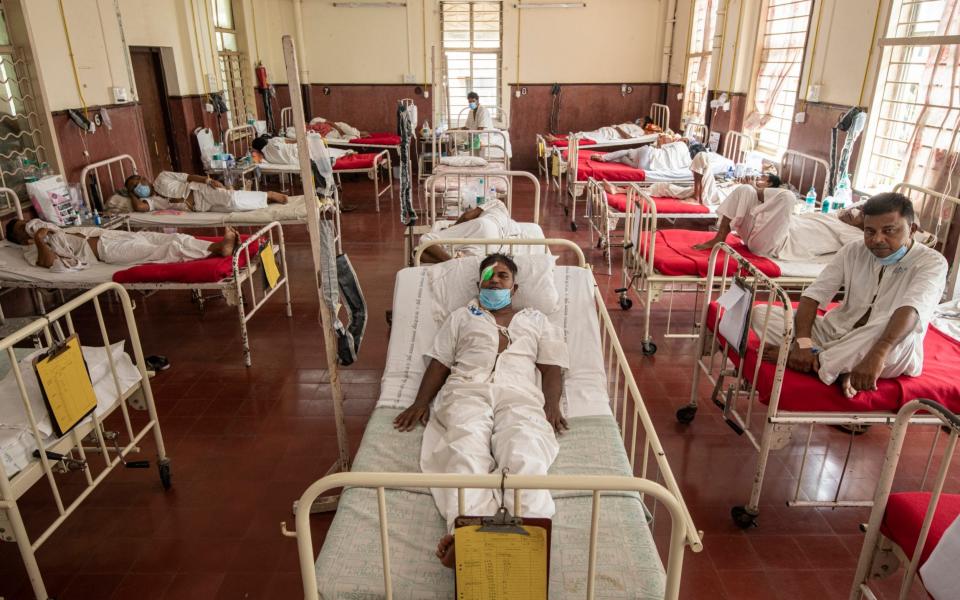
<point>378,139</point>
<point>904,517</point>
<point>675,256</point>
<point>564,140</point>
<point>606,171</point>
<point>805,392</point>
<point>349,162</point>
<point>205,270</point>
<point>671,206</point>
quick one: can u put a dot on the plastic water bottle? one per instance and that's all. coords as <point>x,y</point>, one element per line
<point>730,172</point>
<point>811,200</point>
<point>480,197</point>
<point>844,195</point>
<point>492,193</point>
<point>97,221</point>
<point>827,204</point>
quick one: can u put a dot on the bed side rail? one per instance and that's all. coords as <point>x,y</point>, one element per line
<point>873,544</point>
<point>640,231</point>
<point>491,244</point>
<point>286,119</point>
<point>453,180</point>
<point>804,170</point>
<point>71,451</point>
<point>238,140</point>
<point>660,113</point>
<point>105,178</point>
<point>736,145</point>
<point>586,483</point>
<point>9,203</point>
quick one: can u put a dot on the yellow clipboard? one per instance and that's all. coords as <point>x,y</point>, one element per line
<point>65,385</point>
<point>502,566</point>
<point>269,261</point>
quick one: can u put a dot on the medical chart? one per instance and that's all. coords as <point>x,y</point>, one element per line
<point>736,303</point>
<point>501,566</point>
<point>65,383</point>
<point>269,261</point>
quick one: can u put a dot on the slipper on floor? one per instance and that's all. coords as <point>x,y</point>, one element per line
<point>157,363</point>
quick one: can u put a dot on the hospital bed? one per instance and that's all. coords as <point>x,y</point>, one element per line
<point>697,132</point>
<point>378,141</point>
<point>91,448</point>
<point>905,528</point>
<point>382,539</point>
<point>550,155</point>
<point>227,276</point>
<point>108,176</point>
<point>742,384</point>
<point>442,203</point>
<point>491,145</point>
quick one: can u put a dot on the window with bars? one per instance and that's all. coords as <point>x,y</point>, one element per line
<point>232,64</point>
<point>472,34</point>
<point>699,59</point>
<point>915,114</point>
<point>23,154</point>
<point>782,45</point>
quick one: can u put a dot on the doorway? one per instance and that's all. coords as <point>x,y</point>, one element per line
<point>152,94</point>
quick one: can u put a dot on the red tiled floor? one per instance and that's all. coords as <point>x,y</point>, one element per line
<point>245,443</point>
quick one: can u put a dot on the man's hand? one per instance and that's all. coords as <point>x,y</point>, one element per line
<point>41,234</point>
<point>802,360</point>
<point>864,376</point>
<point>555,418</point>
<point>217,185</point>
<point>408,419</point>
<point>470,215</point>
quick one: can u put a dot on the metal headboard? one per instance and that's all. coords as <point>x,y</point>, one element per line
<point>286,118</point>
<point>498,116</point>
<point>936,212</point>
<point>660,113</point>
<point>13,205</point>
<point>106,176</point>
<point>698,132</point>
<point>803,170</point>
<point>736,145</point>
<point>238,140</point>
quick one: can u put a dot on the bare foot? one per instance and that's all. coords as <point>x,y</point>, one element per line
<point>231,238</point>
<point>706,245</point>
<point>276,198</point>
<point>596,157</point>
<point>770,353</point>
<point>446,552</point>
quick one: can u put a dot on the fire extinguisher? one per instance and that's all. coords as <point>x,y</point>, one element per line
<point>261,72</point>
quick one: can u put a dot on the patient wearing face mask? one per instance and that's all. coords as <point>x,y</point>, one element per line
<point>478,117</point>
<point>188,193</point>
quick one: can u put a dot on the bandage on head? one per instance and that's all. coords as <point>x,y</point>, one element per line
<point>486,274</point>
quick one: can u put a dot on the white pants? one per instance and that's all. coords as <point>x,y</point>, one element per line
<point>482,428</point>
<point>474,229</point>
<point>208,199</point>
<point>134,248</point>
<point>701,165</point>
<point>839,354</point>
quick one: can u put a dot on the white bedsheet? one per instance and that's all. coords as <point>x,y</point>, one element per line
<point>14,267</point>
<point>294,211</point>
<point>414,328</point>
<point>528,231</point>
<point>274,168</point>
<point>17,443</point>
<point>720,166</point>
<point>792,268</point>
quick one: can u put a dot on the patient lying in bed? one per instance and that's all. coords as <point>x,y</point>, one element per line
<point>489,412</point>
<point>490,220</point>
<point>50,247</point>
<point>192,193</point>
<point>623,131</point>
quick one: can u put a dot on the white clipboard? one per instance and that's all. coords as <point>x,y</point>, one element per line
<point>734,324</point>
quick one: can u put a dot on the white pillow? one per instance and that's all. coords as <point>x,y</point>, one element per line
<point>463,161</point>
<point>454,283</point>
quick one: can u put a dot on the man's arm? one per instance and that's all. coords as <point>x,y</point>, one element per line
<point>45,256</point>
<point>138,204</point>
<point>433,379</point>
<point>864,376</point>
<point>803,359</point>
<point>551,377</point>
<point>470,215</point>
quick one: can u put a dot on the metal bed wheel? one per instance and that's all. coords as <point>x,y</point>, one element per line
<point>686,414</point>
<point>165,476</point>
<point>573,226</point>
<point>625,302</point>
<point>743,518</point>
<point>648,348</point>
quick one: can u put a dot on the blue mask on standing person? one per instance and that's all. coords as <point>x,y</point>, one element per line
<point>473,105</point>
<point>893,258</point>
<point>494,299</point>
<point>142,190</point>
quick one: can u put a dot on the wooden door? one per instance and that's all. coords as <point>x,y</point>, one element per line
<point>151,90</point>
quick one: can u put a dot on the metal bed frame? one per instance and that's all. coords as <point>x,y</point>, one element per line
<point>880,556</point>
<point>739,399</point>
<point>71,452</point>
<point>634,420</point>
<point>231,287</point>
<point>698,132</point>
<point>736,145</point>
<point>286,120</point>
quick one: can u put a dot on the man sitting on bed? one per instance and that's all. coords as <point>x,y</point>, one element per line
<point>490,220</point>
<point>762,214</point>
<point>192,193</point>
<point>892,286</point>
<point>50,247</point>
<point>489,412</point>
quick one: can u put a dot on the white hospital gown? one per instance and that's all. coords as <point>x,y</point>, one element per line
<point>493,223</point>
<point>772,229</point>
<point>118,247</point>
<point>177,187</point>
<point>489,413</point>
<point>916,281</point>
<point>479,119</point>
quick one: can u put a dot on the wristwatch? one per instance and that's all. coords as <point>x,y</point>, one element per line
<point>804,343</point>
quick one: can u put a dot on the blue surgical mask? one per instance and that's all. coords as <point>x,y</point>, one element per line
<point>142,190</point>
<point>893,258</point>
<point>473,106</point>
<point>494,299</point>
